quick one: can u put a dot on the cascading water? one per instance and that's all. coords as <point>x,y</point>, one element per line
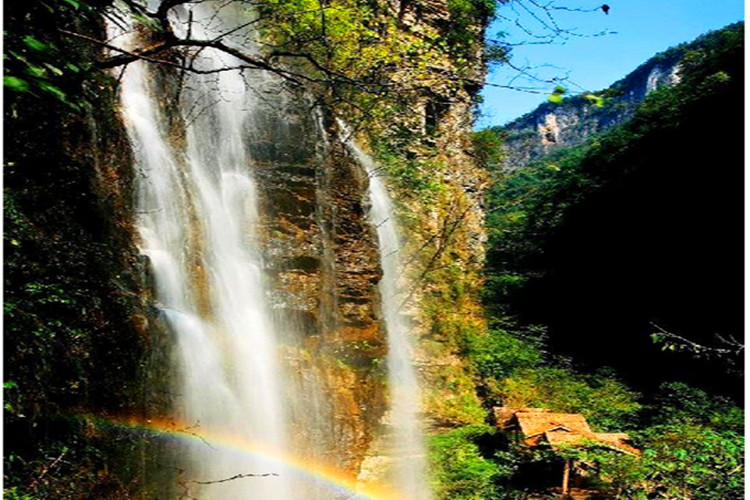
<point>235,371</point>
<point>197,219</point>
<point>409,473</point>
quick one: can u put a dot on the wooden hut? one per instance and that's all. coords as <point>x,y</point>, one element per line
<point>539,427</point>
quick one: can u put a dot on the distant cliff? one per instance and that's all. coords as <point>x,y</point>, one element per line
<point>552,126</point>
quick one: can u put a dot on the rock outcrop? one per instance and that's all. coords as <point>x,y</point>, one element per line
<point>323,269</point>
<point>553,126</point>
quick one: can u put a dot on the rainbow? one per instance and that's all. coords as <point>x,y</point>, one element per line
<point>319,472</point>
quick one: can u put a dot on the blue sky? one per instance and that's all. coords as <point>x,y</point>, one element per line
<point>642,28</point>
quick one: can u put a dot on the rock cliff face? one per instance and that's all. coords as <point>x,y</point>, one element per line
<point>438,191</point>
<point>323,261</point>
<point>80,330</point>
<point>323,270</point>
<point>553,126</point>
<point>322,265</point>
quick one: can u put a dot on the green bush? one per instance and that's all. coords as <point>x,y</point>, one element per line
<point>607,403</point>
<point>459,471</point>
<point>488,149</point>
<point>14,494</point>
<point>685,461</point>
<point>500,353</point>
<point>678,403</point>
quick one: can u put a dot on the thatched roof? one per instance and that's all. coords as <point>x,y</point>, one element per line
<point>536,423</point>
<point>618,440</point>
<point>505,415</point>
<point>615,441</point>
<point>561,438</point>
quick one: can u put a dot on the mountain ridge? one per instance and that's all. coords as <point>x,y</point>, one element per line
<point>552,126</point>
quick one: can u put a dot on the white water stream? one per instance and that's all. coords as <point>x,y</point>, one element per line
<point>409,473</point>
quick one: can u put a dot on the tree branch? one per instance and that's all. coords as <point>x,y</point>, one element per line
<point>674,341</point>
<point>237,476</point>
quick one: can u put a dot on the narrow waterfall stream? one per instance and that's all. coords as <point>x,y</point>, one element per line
<point>407,436</point>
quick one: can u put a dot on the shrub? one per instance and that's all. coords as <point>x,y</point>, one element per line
<point>459,471</point>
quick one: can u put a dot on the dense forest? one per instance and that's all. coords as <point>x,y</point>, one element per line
<point>415,292</point>
<point>611,267</point>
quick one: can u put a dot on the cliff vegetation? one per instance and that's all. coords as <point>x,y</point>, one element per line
<point>75,308</point>
<point>567,121</point>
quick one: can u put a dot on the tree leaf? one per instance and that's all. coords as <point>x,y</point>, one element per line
<point>52,89</point>
<point>53,69</point>
<point>556,97</point>
<point>35,44</point>
<point>17,84</point>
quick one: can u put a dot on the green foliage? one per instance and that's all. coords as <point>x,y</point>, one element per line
<point>368,65</point>
<point>692,442</point>
<point>488,148</point>
<point>71,284</point>
<point>500,354</point>
<point>60,314</point>
<point>37,61</point>
<point>692,462</point>
<point>615,474</point>
<point>459,471</point>
<point>690,452</point>
<point>418,176</point>
<point>694,448</point>
<point>72,466</point>
<point>467,19</point>
<point>679,461</point>
<point>557,95</point>
<point>596,100</point>
<point>517,372</point>
<point>10,397</point>
<point>14,494</point>
<point>604,401</point>
<point>16,84</point>
<point>528,205</point>
<point>524,209</point>
<point>677,403</point>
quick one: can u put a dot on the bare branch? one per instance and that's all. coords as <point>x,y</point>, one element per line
<point>669,340</point>
<point>189,430</point>
<point>238,476</point>
<point>126,57</point>
<point>46,469</point>
<point>185,484</point>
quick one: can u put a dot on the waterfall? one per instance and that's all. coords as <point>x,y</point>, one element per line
<point>196,217</point>
<point>242,402</point>
<point>409,473</point>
